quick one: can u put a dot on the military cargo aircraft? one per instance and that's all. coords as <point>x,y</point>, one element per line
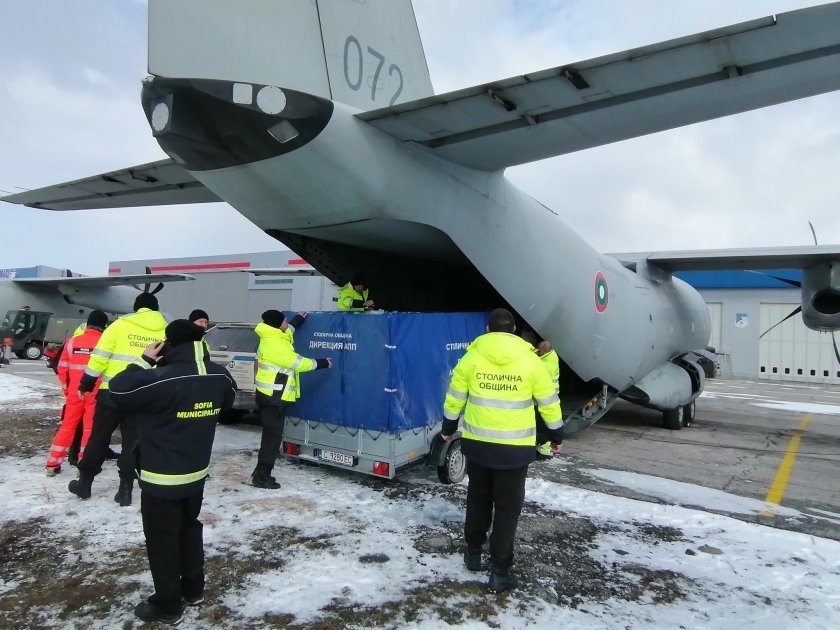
<point>318,123</point>
<point>31,304</point>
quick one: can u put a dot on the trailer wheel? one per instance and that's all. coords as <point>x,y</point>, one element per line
<point>33,351</point>
<point>454,466</point>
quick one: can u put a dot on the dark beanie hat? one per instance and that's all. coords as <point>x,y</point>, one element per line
<point>98,319</point>
<point>273,318</point>
<point>182,331</point>
<point>145,300</point>
<point>198,314</point>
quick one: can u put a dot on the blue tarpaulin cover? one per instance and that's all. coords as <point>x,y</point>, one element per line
<point>390,370</point>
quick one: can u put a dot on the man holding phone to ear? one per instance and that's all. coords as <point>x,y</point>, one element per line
<point>121,345</point>
<point>176,405</point>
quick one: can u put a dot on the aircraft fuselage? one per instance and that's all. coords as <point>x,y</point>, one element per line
<point>350,184</point>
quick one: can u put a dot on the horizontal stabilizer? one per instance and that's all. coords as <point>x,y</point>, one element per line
<point>106,281</point>
<point>154,184</point>
<point>624,95</point>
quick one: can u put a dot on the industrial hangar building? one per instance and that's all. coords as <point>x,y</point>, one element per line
<point>741,304</point>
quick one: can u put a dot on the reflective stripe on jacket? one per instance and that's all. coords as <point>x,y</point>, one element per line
<point>123,342</point>
<point>347,295</point>
<point>278,366</point>
<point>75,354</point>
<point>176,405</point>
<point>495,385</point>
<point>552,363</point>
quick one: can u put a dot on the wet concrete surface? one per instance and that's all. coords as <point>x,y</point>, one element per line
<point>743,429</point>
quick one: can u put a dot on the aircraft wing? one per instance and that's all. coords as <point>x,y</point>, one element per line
<point>106,281</point>
<point>749,259</point>
<point>569,108</point>
<point>154,184</point>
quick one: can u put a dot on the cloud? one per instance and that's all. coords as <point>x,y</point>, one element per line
<point>69,107</point>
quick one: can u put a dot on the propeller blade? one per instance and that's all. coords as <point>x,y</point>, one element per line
<point>148,284</point>
<point>813,232</point>
<point>795,283</point>
<point>796,311</point>
<point>157,288</point>
<point>836,352</point>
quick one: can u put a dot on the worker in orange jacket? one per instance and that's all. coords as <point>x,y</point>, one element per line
<point>71,367</point>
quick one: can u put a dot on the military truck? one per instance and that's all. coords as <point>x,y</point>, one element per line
<point>32,331</point>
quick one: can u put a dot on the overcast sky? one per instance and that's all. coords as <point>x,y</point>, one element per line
<point>70,108</point>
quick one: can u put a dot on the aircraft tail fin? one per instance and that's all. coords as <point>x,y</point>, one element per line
<point>364,53</point>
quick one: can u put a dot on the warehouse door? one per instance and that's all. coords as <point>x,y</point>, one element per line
<point>793,352</point>
<point>716,316</point>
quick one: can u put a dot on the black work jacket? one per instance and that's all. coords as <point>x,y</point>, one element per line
<point>177,405</point>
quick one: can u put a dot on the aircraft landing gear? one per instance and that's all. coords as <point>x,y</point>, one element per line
<point>688,413</point>
<point>672,419</point>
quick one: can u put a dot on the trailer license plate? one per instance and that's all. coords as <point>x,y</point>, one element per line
<point>336,458</point>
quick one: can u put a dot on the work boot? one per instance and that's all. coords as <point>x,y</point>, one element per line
<point>472,558</point>
<point>148,611</point>
<point>194,600</point>
<point>52,471</point>
<point>81,486</point>
<point>501,580</point>
<point>123,496</point>
<point>261,478</point>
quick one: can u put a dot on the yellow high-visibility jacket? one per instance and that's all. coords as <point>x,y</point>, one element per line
<point>122,343</point>
<point>495,385</point>
<point>552,363</point>
<point>278,366</point>
<point>347,295</point>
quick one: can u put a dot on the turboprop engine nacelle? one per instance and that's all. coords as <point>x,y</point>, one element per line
<point>109,299</point>
<point>821,296</point>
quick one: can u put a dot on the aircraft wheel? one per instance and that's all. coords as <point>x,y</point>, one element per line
<point>688,413</point>
<point>33,352</point>
<point>454,466</point>
<point>672,419</point>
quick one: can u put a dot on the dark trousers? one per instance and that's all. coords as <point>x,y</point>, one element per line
<point>106,418</point>
<point>175,547</point>
<point>494,496</point>
<point>272,419</point>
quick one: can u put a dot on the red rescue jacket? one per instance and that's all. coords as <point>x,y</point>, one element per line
<point>74,359</point>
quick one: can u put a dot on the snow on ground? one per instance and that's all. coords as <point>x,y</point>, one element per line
<point>331,527</point>
<point>780,405</point>
<point>24,393</point>
<point>800,407</point>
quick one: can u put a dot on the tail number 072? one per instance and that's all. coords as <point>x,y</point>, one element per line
<point>354,63</point>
